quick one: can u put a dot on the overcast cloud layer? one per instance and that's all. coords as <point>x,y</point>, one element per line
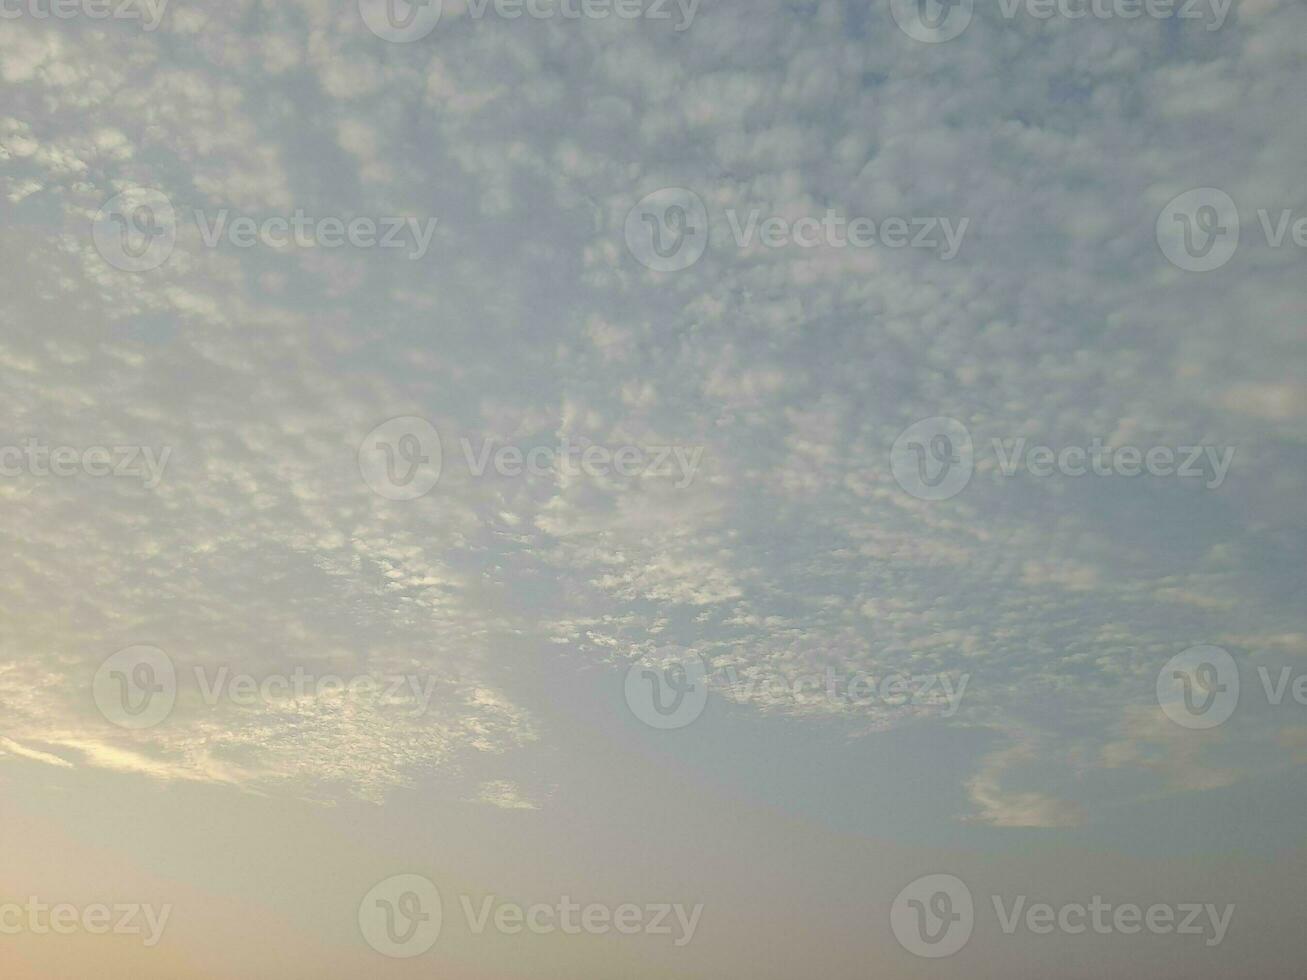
<point>777,539</point>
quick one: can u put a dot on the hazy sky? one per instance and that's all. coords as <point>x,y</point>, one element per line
<point>729,463</point>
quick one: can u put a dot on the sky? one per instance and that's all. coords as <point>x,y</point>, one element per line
<point>591,488</point>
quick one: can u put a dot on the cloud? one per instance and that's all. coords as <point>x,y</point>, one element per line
<point>12,747</point>
<point>793,369</point>
<point>504,795</point>
<point>998,807</point>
